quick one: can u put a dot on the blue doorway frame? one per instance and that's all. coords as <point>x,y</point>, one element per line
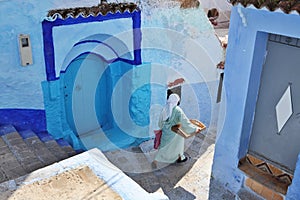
<point>57,124</point>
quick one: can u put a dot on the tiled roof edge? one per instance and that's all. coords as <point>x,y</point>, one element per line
<point>287,6</point>
<point>101,9</point>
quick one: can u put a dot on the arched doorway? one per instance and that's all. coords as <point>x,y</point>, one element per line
<point>87,84</point>
<point>85,36</point>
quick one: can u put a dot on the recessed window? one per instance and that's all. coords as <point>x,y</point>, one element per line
<point>219,95</point>
<point>176,90</point>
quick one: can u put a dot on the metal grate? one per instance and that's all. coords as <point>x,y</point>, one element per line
<point>295,42</point>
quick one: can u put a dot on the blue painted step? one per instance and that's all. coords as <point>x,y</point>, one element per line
<point>111,140</point>
<point>38,147</point>
<point>24,155</point>
<point>10,167</point>
<point>25,151</point>
<point>56,145</point>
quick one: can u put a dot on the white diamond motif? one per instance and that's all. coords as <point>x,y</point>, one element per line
<point>284,109</point>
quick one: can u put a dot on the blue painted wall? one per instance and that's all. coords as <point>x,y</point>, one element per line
<point>294,190</point>
<point>198,51</point>
<point>56,46</point>
<point>21,88</point>
<point>19,84</point>
<point>19,118</point>
<point>26,17</point>
<point>57,125</point>
<point>112,50</point>
<point>245,54</point>
<point>185,46</point>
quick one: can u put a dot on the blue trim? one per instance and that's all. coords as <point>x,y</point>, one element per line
<point>48,50</point>
<point>62,143</point>
<point>137,37</point>
<point>83,54</point>
<point>27,134</point>
<point>48,36</point>
<point>96,41</point>
<point>131,62</point>
<point>6,129</point>
<point>23,119</point>
<point>45,137</point>
<point>254,84</point>
<point>108,61</point>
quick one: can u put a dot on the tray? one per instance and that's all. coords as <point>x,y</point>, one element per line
<point>198,123</point>
<point>176,128</point>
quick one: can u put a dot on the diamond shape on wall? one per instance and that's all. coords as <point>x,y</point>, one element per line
<point>284,109</point>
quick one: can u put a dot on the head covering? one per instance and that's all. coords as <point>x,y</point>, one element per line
<point>171,103</point>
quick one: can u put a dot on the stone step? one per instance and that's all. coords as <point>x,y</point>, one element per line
<point>24,155</point>
<point>38,147</point>
<point>66,147</point>
<point>56,149</point>
<point>10,168</point>
<point>263,183</point>
<point>53,146</point>
<point>25,151</point>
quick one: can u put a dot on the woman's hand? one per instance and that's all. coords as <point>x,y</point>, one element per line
<point>175,128</point>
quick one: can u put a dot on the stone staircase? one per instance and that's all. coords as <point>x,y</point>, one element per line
<point>25,151</point>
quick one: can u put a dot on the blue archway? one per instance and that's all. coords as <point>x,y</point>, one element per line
<point>95,64</point>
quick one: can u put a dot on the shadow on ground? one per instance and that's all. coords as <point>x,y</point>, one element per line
<point>185,181</point>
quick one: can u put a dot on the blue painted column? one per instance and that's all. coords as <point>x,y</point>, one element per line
<point>56,123</point>
<point>293,192</point>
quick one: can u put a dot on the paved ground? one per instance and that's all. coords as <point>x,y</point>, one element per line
<point>191,180</point>
<point>188,181</point>
<point>23,152</point>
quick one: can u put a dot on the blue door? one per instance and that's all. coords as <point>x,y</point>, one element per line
<point>82,81</point>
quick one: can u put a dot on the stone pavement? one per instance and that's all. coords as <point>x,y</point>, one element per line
<point>187,181</point>
<point>22,152</point>
<point>191,180</point>
<point>53,179</point>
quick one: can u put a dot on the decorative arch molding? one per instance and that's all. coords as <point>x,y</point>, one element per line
<point>48,40</point>
<point>108,47</point>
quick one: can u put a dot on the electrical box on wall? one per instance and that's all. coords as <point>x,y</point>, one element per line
<point>25,50</point>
